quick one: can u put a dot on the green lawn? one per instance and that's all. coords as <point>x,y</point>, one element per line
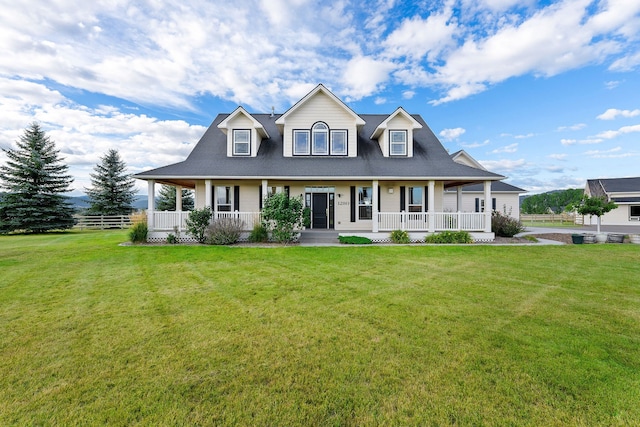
<point>554,224</point>
<point>93,333</point>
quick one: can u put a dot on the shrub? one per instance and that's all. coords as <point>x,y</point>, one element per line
<point>197,223</point>
<point>354,240</point>
<point>172,239</point>
<point>259,234</point>
<point>282,215</point>
<point>400,236</point>
<point>224,231</point>
<point>449,237</point>
<point>505,226</point>
<point>138,233</point>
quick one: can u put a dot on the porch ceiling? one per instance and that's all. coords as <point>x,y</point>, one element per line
<point>184,183</point>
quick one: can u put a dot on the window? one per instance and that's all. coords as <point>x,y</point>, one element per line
<point>398,142</point>
<point>241,142</point>
<point>415,199</point>
<point>223,199</point>
<point>364,203</point>
<point>339,142</point>
<point>301,142</point>
<point>320,134</point>
<point>634,212</point>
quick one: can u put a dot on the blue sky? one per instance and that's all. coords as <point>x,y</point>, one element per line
<point>543,92</point>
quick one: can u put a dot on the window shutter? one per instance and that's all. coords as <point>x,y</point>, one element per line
<point>260,197</point>
<point>287,190</point>
<point>493,203</point>
<point>353,204</point>
<point>379,193</point>
<point>477,204</point>
<point>236,197</point>
<point>426,198</point>
<point>402,199</point>
<point>213,198</point>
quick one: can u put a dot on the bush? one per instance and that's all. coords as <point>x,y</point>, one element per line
<point>172,239</point>
<point>449,237</point>
<point>400,236</point>
<point>138,233</point>
<point>197,223</point>
<point>259,234</point>
<point>224,231</point>
<point>354,240</point>
<point>505,226</point>
<point>282,215</point>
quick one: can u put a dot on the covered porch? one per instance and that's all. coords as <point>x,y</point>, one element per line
<point>380,217</point>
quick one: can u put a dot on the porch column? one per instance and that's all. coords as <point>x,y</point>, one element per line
<point>265,189</point>
<point>178,198</point>
<point>487,206</point>
<point>151,202</point>
<point>374,208</point>
<point>459,198</point>
<point>431,201</point>
<point>207,193</point>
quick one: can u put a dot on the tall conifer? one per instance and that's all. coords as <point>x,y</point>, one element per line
<point>112,190</point>
<point>34,178</point>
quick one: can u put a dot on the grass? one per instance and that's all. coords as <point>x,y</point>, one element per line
<point>549,224</point>
<point>94,333</point>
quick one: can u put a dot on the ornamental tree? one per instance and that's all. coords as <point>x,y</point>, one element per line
<point>597,206</point>
<point>34,178</point>
<point>167,199</point>
<point>112,190</point>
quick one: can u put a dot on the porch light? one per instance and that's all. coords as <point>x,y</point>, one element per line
<point>390,190</point>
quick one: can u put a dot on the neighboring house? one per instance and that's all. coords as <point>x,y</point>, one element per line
<point>366,174</point>
<point>506,197</point>
<point>625,192</point>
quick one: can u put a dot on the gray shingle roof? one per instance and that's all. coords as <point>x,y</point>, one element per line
<point>602,187</point>
<point>209,158</point>
<point>497,186</point>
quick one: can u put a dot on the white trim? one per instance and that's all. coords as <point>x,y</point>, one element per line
<point>383,126</point>
<point>224,125</point>
<point>476,179</point>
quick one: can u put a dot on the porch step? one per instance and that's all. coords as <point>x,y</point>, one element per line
<point>312,237</point>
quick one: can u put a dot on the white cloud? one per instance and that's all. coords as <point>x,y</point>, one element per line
<point>627,63</point>
<point>614,153</point>
<point>451,134</point>
<point>557,38</point>
<point>528,135</point>
<point>610,134</point>
<point>84,134</point>
<point>512,148</point>
<point>475,144</point>
<point>363,76</point>
<point>379,100</point>
<point>577,126</point>
<point>558,156</point>
<point>504,165</point>
<point>581,141</point>
<point>408,94</point>
<point>612,84</point>
<point>613,113</point>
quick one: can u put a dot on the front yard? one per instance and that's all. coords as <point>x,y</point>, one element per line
<point>95,333</point>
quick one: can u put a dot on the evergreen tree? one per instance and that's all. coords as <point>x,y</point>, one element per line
<point>112,190</point>
<point>167,199</point>
<point>34,178</point>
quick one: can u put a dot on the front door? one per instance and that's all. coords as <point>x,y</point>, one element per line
<point>319,210</point>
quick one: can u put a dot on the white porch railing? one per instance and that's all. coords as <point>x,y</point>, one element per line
<point>167,220</point>
<point>442,221</point>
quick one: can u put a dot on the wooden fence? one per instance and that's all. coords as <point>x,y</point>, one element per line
<point>561,217</point>
<point>102,221</point>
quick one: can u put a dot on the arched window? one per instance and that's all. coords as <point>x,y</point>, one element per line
<point>320,138</point>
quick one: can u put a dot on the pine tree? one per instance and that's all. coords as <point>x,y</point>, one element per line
<point>112,190</point>
<point>167,199</point>
<point>34,178</point>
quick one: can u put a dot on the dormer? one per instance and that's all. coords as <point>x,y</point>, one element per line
<point>320,125</point>
<point>464,158</point>
<point>395,134</point>
<point>244,133</point>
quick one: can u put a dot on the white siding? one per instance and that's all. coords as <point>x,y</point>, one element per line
<point>241,121</point>
<point>399,122</point>
<point>321,108</point>
<point>505,202</point>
